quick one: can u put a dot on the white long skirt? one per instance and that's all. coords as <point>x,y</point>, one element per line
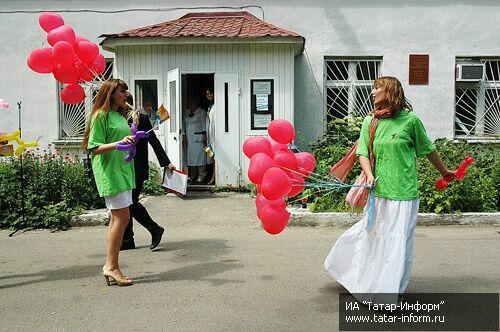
<point>376,260</point>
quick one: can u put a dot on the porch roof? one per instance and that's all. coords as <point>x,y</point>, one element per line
<point>239,25</point>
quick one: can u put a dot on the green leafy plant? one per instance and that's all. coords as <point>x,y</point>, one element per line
<point>229,188</point>
<point>55,187</point>
<point>152,186</point>
<point>328,150</point>
<point>477,192</point>
<point>345,130</point>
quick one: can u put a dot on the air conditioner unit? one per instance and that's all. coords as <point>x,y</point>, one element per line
<point>470,72</point>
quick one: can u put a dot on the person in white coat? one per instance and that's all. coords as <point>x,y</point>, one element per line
<point>209,95</point>
<point>195,135</point>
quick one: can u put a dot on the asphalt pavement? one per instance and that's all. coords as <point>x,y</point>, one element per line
<point>216,270</point>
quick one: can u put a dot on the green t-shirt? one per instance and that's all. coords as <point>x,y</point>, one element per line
<point>112,173</point>
<point>397,141</point>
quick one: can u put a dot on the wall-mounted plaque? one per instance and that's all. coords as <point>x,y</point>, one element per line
<point>419,69</point>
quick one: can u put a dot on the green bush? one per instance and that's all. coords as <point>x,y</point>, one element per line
<point>152,186</point>
<point>55,188</point>
<point>477,192</point>
<point>252,189</point>
<point>328,150</point>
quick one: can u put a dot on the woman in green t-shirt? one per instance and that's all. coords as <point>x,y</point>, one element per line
<point>372,259</point>
<point>114,176</point>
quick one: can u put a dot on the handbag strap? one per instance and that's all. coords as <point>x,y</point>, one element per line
<point>373,128</point>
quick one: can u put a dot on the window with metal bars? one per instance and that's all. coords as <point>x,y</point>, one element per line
<point>477,104</point>
<point>72,117</point>
<point>348,86</point>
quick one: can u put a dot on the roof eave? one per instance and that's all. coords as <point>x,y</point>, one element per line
<point>110,43</point>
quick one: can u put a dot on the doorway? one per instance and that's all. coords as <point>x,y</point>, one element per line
<point>193,90</point>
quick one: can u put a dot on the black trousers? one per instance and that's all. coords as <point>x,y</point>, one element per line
<point>139,213</point>
<point>210,172</point>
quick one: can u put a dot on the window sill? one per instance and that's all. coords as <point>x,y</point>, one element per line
<point>479,139</point>
<point>67,144</point>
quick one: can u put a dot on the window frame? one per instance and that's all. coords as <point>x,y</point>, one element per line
<point>474,113</point>
<point>159,88</point>
<point>350,84</point>
<point>87,103</point>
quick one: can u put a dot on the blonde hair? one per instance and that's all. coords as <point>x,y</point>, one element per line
<point>103,102</point>
<point>394,93</point>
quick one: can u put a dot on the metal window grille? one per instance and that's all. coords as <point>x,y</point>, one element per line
<point>477,105</point>
<point>72,117</point>
<point>348,85</point>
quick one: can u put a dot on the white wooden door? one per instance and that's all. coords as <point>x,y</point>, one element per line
<point>173,125</point>
<point>227,129</point>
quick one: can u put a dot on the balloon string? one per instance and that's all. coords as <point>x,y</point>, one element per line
<point>324,180</point>
<point>314,176</point>
<point>336,186</point>
<point>94,72</point>
<point>330,187</point>
<point>327,179</point>
<point>326,191</point>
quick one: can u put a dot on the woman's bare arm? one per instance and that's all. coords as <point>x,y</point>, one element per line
<point>367,168</point>
<point>436,161</point>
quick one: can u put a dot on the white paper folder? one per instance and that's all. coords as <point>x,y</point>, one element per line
<point>175,181</point>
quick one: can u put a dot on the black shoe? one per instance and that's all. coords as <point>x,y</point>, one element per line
<point>127,244</point>
<point>156,238</point>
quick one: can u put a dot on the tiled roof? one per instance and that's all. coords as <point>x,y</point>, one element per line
<point>212,24</point>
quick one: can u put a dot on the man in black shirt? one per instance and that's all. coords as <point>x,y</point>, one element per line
<point>141,165</point>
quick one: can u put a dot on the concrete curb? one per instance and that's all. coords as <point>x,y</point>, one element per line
<point>91,218</point>
<point>101,217</point>
<point>303,217</point>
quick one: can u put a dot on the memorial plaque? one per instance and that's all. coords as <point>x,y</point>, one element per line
<point>419,69</point>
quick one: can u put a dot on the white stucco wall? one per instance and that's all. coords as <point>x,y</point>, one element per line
<point>20,34</point>
<point>391,29</point>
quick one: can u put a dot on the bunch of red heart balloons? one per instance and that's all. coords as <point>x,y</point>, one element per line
<point>277,172</point>
<point>71,59</point>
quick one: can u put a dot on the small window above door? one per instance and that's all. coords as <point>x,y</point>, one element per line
<point>146,97</point>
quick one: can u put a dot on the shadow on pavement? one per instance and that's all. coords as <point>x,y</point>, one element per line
<point>328,300</point>
<point>200,250</point>
<point>66,273</point>
<point>182,252</point>
<point>197,272</point>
